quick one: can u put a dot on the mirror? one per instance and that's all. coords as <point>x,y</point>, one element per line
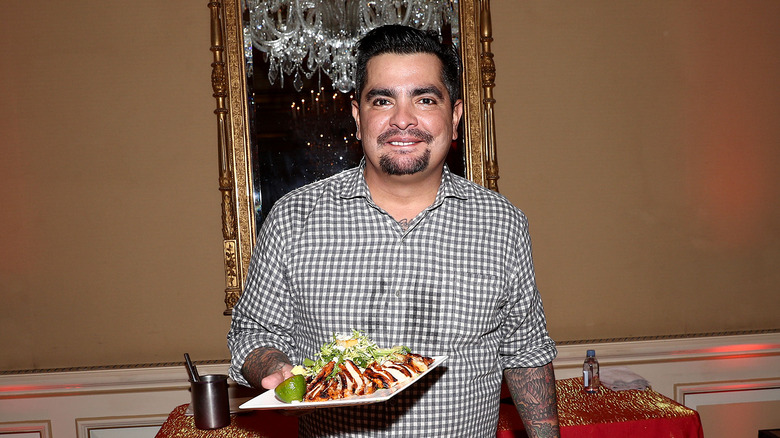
<point>239,98</point>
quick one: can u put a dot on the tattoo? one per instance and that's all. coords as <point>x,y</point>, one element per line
<point>261,363</point>
<point>404,224</point>
<point>533,391</point>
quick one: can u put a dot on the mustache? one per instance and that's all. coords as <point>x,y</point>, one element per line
<point>411,132</point>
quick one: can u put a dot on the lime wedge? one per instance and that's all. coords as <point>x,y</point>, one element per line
<point>292,389</point>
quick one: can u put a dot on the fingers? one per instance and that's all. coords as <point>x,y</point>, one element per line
<point>273,380</point>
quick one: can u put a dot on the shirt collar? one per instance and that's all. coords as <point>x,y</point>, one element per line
<point>356,186</point>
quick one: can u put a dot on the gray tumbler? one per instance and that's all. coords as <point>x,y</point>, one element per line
<point>210,403</point>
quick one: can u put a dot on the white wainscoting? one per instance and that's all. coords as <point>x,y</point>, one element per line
<point>134,402</point>
<point>116,403</point>
<point>699,372</point>
<point>26,429</point>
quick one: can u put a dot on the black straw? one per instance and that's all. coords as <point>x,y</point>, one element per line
<point>191,370</point>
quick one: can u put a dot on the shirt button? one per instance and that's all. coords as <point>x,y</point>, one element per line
<point>398,292</point>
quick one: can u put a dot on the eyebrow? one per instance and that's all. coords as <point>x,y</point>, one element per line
<point>387,92</point>
<point>374,92</point>
<point>431,89</point>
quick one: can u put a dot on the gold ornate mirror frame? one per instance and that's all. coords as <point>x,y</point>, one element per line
<point>229,85</point>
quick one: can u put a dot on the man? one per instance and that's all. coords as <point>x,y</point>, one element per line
<point>408,253</point>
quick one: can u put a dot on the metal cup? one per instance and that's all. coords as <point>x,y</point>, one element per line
<point>210,403</point>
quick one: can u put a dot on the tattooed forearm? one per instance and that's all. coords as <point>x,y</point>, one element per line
<point>533,391</point>
<point>262,362</point>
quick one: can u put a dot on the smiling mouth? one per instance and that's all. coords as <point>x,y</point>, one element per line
<point>402,143</point>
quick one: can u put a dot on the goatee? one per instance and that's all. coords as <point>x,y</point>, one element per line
<point>404,165</point>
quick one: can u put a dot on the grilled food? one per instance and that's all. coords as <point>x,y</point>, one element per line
<point>337,381</point>
<point>353,365</point>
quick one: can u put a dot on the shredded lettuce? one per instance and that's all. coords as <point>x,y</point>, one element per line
<point>356,347</point>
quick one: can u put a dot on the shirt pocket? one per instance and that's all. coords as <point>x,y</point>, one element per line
<point>473,307</point>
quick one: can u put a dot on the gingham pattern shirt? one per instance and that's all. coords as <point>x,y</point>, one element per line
<point>458,282</point>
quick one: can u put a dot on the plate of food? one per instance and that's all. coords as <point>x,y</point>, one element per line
<point>349,370</point>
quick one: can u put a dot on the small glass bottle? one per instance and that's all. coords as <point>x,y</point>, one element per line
<point>590,373</point>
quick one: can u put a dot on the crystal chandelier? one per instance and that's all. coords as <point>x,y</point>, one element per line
<point>300,37</point>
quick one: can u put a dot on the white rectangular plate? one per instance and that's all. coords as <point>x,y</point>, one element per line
<point>268,400</point>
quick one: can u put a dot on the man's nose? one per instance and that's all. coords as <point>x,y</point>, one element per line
<point>403,116</point>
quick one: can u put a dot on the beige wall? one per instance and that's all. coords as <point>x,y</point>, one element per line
<point>640,138</point>
<point>111,235</point>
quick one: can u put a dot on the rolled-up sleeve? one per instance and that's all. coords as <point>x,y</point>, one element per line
<point>262,317</point>
<point>526,342</point>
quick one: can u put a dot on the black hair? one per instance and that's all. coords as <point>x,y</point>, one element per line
<point>400,40</point>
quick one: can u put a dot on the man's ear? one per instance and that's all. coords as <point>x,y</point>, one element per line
<point>356,116</point>
<point>457,113</point>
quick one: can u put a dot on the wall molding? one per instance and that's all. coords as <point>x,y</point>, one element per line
<point>672,349</point>
<point>729,391</point>
<point>568,343</point>
<point>42,428</point>
<point>112,367</point>
<point>670,336</point>
<point>84,426</point>
<point>100,381</point>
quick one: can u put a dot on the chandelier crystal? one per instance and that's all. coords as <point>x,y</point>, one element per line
<point>300,37</point>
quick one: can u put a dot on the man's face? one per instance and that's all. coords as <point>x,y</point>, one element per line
<point>405,118</point>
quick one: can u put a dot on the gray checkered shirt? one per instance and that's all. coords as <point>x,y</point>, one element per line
<point>458,282</point>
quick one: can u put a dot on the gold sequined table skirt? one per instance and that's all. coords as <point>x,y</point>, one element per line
<point>251,424</point>
<point>633,413</point>
<point>607,413</point>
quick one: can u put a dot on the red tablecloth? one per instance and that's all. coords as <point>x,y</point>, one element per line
<point>256,424</point>
<point>635,414</point>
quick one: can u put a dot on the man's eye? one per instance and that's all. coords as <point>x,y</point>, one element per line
<point>381,102</point>
<point>428,101</point>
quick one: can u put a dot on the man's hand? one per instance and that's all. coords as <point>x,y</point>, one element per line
<point>273,380</point>
<point>266,368</point>
<point>533,391</point>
